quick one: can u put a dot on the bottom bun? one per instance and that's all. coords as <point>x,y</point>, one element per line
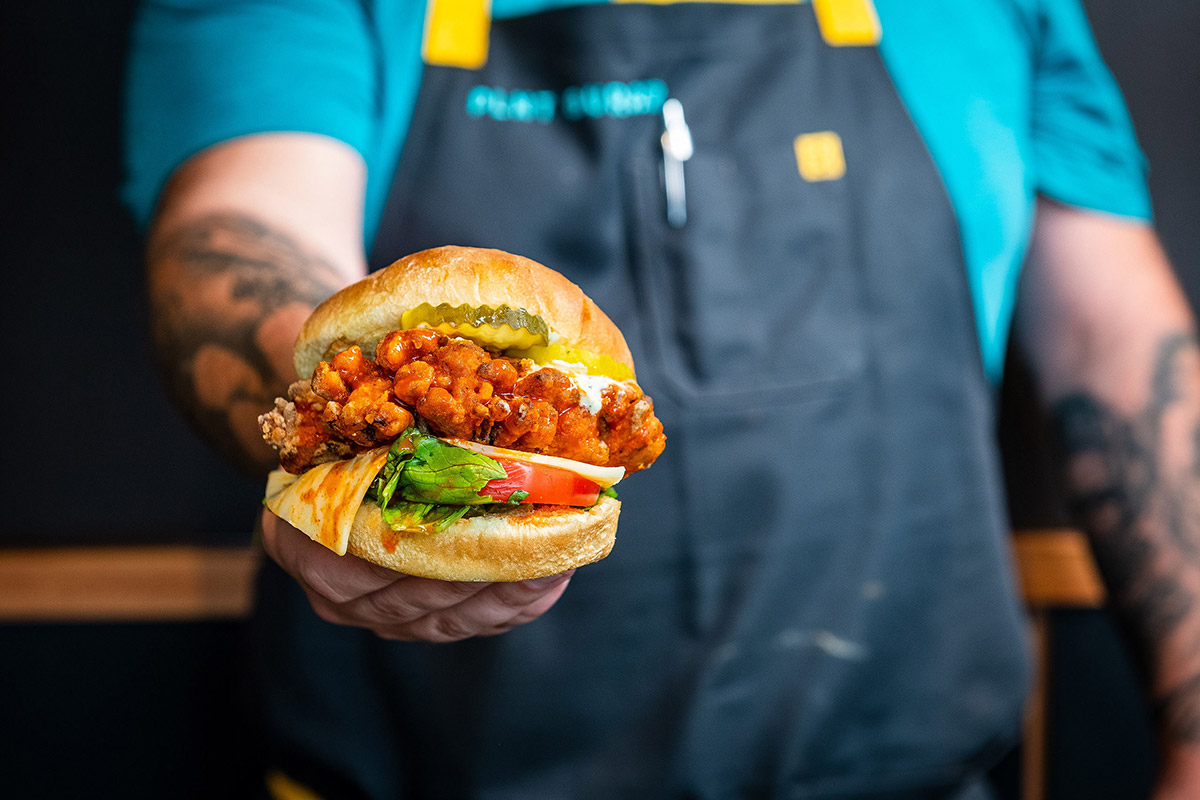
<point>514,544</point>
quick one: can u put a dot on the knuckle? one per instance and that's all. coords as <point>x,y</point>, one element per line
<point>312,576</point>
<point>390,605</point>
<point>515,594</point>
<point>444,594</point>
<point>523,618</point>
<point>326,579</point>
<point>496,631</point>
<point>526,592</point>
<point>430,596</point>
<point>445,628</point>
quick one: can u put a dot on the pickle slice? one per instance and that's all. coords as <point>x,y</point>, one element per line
<point>594,363</point>
<point>500,327</point>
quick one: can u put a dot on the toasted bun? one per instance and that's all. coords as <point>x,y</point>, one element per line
<point>514,545</point>
<point>364,312</point>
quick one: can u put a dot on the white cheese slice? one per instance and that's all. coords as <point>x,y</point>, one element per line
<point>324,500</point>
<point>605,476</point>
<point>278,480</point>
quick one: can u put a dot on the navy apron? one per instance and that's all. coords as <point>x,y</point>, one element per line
<point>810,594</point>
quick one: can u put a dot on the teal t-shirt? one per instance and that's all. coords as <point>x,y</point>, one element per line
<point>1011,98</point>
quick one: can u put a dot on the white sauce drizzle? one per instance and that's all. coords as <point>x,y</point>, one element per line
<point>591,387</point>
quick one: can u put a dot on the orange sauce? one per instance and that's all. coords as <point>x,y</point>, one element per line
<point>390,540</point>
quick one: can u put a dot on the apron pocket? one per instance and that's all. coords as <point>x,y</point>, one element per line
<point>754,300</point>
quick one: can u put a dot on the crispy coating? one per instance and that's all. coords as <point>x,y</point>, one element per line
<point>361,408</point>
<point>295,428</point>
<point>461,390</point>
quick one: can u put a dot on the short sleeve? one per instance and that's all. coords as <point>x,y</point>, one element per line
<point>1084,147</point>
<point>203,71</point>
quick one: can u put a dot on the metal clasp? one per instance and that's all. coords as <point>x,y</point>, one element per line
<point>677,148</point>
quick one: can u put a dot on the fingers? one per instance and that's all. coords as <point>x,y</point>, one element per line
<point>420,609</point>
<point>349,591</point>
<point>417,598</point>
<point>532,611</point>
<point>494,609</point>
<point>318,569</point>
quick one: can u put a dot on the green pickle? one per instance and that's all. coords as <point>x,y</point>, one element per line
<point>500,328</point>
<point>512,331</point>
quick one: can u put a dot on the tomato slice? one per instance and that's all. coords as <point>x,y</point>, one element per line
<point>549,485</point>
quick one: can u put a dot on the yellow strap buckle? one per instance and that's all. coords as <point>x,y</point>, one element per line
<point>848,23</point>
<point>456,33</point>
<point>281,787</point>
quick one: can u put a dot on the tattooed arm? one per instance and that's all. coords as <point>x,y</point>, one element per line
<point>1115,351</point>
<point>249,237</point>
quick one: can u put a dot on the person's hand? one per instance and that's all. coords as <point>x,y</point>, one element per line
<point>350,591</point>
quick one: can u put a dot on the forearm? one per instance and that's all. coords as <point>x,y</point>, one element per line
<point>227,295</point>
<point>1114,347</point>
<point>1133,482</point>
<point>250,235</point>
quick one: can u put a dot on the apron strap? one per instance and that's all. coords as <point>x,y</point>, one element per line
<point>848,23</point>
<point>456,31</point>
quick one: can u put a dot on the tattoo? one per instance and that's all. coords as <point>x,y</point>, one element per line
<point>1137,494</point>
<point>227,294</point>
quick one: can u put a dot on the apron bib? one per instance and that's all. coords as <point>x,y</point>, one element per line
<point>810,594</point>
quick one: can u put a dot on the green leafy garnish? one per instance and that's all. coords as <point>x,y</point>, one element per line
<point>441,473</point>
<point>427,483</point>
<point>402,515</point>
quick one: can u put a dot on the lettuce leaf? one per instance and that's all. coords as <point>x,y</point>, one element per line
<point>402,515</point>
<point>441,473</point>
<point>427,483</point>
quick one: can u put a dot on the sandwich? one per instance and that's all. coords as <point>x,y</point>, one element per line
<point>463,414</point>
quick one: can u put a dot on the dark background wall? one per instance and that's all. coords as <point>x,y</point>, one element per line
<point>99,711</point>
<point>157,710</point>
<point>74,257</point>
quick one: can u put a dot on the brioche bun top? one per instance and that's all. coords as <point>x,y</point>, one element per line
<point>364,312</point>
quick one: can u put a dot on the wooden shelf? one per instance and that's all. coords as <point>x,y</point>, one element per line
<point>123,584</point>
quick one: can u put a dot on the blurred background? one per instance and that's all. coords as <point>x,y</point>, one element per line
<point>156,709</point>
